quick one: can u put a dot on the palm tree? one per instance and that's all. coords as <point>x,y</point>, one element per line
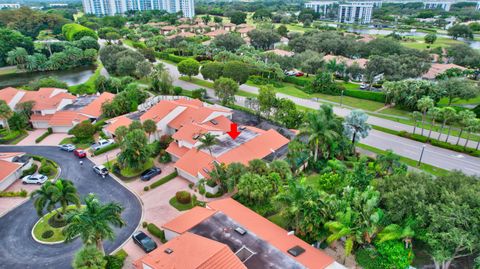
<point>434,114</point>
<point>447,114</point>
<point>343,227</point>
<point>397,232</point>
<point>17,56</point>
<point>150,127</point>
<point>65,193</point>
<point>415,116</point>
<point>473,125</point>
<point>5,113</point>
<point>89,257</point>
<point>424,104</point>
<point>43,198</point>
<point>320,126</point>
<point>466,117</point>
<point>208,141</point>
<point>356,124</point>
<point>94,222</point>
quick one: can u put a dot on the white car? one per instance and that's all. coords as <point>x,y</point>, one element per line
<point>102,143</point>
<point>67,147</point>
<point>100,170</point>
<point>35,179</point>
<point>290,73</point>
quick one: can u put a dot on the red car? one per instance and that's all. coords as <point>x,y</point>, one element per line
<point>80,153</point>
<point>299,74</point>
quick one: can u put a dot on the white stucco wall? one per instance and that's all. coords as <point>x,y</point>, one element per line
<point>187,176</point>
<point>169,235</point>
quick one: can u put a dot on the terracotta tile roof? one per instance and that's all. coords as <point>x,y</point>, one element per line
<point>216,32</point>
<point>10,155</point>
<point>194,162</point>
<point>222,123</point>
<point>191,251</point>
<point>117,122</point>
<point>189,102</point>
<point>256,148</point>
<point>245,30</point>
<point>438,68</point>
<point>94,109</point>
<point>189,219</point>
<point>38,117</point>
<point>7,168</point>
<point>190,130</point>
<point>177,151</point>
<point>347,61</point>
<point>7,94</point>
<point>280,52</point>
<point>159,111</point>
<point>66,118</point>
<point>312,258</point>
<point>46,98</point>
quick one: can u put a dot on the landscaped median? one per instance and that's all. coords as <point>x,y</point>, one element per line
<point>48,229</point>
<point>127,174</point>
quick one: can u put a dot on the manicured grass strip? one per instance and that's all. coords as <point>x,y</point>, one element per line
<point>180,207</point>
<point>12,137</point>
<point>413,163</point>
<point>105,149</point>
<point>197,81</point>
<point>163,180</point>
<point>70,140</point>
<point>43,226</point>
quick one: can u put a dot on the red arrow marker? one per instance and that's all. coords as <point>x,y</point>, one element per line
<point>234,133</point>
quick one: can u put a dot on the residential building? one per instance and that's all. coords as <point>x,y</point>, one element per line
<point>56,108</point>
<point>322,7</point>
<point>359,12</point>
<point>114,7</point>
<point>227,234</point>
<point>9,6</point>
<point>12,165</point>
<point>438,68</point>
<point>187,120</point>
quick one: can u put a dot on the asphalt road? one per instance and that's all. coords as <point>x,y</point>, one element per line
<point>446,159</point>
<point>17,247</point>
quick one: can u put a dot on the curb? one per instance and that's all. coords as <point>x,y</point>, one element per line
<point>138,198</point>
<point>43,242</point>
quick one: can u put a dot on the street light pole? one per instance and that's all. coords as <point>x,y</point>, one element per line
<point>421,155</point>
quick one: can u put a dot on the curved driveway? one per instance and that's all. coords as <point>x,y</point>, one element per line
<point>17,247</point>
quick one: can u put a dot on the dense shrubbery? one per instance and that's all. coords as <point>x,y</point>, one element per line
<point>30,171</point>
<point>44,135</point>
<point>163,180</point>
<point>153,229</point>
<point>297,81</point>
<point>183,197</point>
<point>441,144</point>
<point>116,260</point>
<point>21,193</point>
<point>105,149</point>
<point>367,95</point>
<point>73,31</point>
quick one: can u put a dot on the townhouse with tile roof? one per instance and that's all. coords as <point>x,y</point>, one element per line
<point>187,120</point>
<point>56,108</point>
<point>228,235</point>
<point>12,165</point>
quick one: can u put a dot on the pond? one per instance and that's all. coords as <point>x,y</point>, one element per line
<point>471,43</point>
<point>71,77</point>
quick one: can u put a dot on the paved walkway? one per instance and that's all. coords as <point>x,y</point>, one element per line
<point>435,156</point>
<point>51,140</point>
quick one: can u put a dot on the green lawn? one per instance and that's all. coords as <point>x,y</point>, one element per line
<point>440,42</point>
<point>128,172</point>
<point>43,226</point>
<point>473,101</point>
<point>180,207</point>
<point>413,163</point>
<point>7,70</point>
<point>12,137</point>
<point>197,81</point>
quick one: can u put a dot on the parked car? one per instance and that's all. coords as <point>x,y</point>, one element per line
<point>299,74</point>
<point>34,179</point>
<point>101,170</point>
<point>290,73</point>
<point>80,153</point>
<point>67,147</point>
<point>144,241</point>
<point>149,173</point>
<point>102,143</point>
<point>364,86</point>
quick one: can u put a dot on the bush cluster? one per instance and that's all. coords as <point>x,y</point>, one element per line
<point>47,234</point>
<point>154,230</point>
<point>366,95</point>
<point>21,193</point>
<point>105,149</point>
<point>297,80</point>
<point>30,171</point>
<point>441,144</point>
<point>183,197</point>
<point>73,31</point>
<point>117,260</point>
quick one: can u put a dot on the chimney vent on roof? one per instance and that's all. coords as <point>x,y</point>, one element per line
<point>168,251</point>
<point>296,251</point>
<point>240,231</point>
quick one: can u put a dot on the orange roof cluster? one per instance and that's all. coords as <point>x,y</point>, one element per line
<point>312,258</point>
<point>362,62</point>
<point>195,162</point>
<point>186,221</point>
<point>191,251</point>
<point>94,109</point>
<point>280,52</point>
<point>66,118</point>
<point>44,98</point>
<point>177,151</point>
<point>8,94</point>
<point>117,122</point>
<point>438,68</point>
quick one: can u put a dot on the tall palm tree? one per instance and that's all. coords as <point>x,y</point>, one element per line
<point>17,56</point>
<point>208,140</point>
<point>447,114</point>
<point>43,198</point>
<point>94,223</point>
<point>320,126</point>
<point>466,117</point>
<point>415,116</point>
<point>473,126</point>
<point>397,232</point>
<point>434,114</point>
<point>150,127</point>
<point>5,113</point>
<point>65,193</point>
<point>424,104</point>
<point>343,227</point>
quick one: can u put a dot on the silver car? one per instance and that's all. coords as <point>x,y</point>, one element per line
<point>34,179</point>
<point>67,147</point>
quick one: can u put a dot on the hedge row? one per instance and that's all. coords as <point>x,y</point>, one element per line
<point>105,149</point>
<point>367,95</point>
<point>163,180</point>
<point>297,80</point>
<point>74,31</point>
<point>170,57</point>
<point>21,193</point>
<point>153,229</point>
<point>441,144</point>
<point>43,136</point>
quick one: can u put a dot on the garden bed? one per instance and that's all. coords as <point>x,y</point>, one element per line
<point>44,232</point>
<point>13,137</point>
